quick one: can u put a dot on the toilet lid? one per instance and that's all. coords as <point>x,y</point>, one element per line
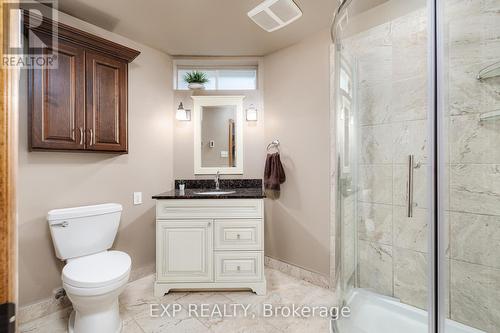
<point>97,270</point>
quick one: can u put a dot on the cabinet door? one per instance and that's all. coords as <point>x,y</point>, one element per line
<point>184,251</point>
<point>56,101</point>
<point>106,103</point>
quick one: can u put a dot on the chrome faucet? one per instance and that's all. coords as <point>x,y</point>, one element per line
<point>217,178</point>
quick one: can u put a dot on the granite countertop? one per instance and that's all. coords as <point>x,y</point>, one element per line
<point>243,189</point>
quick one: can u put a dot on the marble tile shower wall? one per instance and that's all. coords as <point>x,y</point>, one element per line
<point>473,42</point>
<point>392,106</point>
<point>392,110</point>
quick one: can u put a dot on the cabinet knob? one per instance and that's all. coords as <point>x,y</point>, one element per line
<point>209,224</point>
<point>238,268</point>
<point>238,236</point>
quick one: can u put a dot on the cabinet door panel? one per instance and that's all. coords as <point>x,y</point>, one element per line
<point>106,103</point>
<point>57,113</point>
<point>184,251</point>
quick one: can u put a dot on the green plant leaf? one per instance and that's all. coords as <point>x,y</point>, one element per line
<point>196,77</point>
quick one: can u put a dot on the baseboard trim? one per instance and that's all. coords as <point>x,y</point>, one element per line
<point>297,272</point>
<point>51,305</point>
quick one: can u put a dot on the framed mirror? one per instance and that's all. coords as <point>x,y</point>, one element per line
<point>218,134</point>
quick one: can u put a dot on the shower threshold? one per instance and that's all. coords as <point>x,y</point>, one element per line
<point>374,313</point>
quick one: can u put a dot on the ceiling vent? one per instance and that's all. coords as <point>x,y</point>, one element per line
<point>272,15</point>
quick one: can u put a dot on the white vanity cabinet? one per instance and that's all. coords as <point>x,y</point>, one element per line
<point>210,244</point>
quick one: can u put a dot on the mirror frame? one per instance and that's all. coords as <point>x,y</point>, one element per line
<point>198,103</point>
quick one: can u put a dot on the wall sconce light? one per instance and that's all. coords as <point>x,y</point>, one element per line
<point>251,113</point>
<point>183,114</point>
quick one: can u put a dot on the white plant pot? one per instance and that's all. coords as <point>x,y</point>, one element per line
<point>196,86</point>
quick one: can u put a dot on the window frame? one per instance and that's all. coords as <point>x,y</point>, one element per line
<point>217,67</point>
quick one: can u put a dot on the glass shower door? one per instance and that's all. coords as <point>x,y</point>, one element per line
<point>470,185</point>
<point>390,204</point>
<point>384,194</point>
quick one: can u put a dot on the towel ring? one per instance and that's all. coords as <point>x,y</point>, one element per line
<point>274,144</point>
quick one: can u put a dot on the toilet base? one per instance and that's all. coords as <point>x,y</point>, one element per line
<point>71,324</point>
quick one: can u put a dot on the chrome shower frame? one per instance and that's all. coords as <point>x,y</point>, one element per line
<point>437,277</point>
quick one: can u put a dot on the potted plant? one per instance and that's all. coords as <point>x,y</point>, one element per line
<point>196,80</point>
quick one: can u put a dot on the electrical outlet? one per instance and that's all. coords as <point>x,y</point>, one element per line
<point>137,198</point>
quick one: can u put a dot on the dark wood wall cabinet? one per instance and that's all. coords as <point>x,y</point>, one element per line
<point>81,104</point>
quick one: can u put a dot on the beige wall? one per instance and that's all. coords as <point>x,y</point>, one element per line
<point>49,180</point>
<point>296,96</point>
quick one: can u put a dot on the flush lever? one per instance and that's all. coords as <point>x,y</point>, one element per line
<point>61,225</point>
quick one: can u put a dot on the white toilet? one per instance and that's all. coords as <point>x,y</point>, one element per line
<point>93,276</point>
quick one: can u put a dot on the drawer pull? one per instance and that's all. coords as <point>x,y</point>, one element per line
<point>238,236</point>
<point>238,268</point>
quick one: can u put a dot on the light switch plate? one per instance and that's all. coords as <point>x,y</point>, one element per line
<point>137,198</point>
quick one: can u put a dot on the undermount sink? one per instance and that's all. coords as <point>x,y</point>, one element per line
<point>215,192</point>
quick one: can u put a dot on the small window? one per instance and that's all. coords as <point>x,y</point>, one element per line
<point>221,79</point>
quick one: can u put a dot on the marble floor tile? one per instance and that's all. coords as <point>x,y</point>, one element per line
<point>301,325</point>
<point>283,290</point>
<point>180,323</point>
<point>131,326</point>
<point>246,325</point>
<point>139,294</point>
<point>53,323</point>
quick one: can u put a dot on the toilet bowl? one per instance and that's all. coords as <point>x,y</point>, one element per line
<point>93,284</point>
<point>93,276</point>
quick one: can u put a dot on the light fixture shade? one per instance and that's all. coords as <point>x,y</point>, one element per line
<point>182,114</point>
<point>252,113</point>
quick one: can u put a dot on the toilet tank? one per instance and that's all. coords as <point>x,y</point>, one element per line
<point>81,231</point>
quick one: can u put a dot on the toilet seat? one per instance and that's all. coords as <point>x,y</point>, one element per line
<point>103,270</point>
<point>95,291</point>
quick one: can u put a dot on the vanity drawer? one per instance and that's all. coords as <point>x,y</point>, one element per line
<point>238,266</point>
<point>209,208</point>
<point>238,234</point>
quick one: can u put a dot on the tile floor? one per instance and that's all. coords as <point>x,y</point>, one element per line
<point>282,289</point>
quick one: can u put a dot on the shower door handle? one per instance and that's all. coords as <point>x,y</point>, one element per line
<point>411,167</point>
